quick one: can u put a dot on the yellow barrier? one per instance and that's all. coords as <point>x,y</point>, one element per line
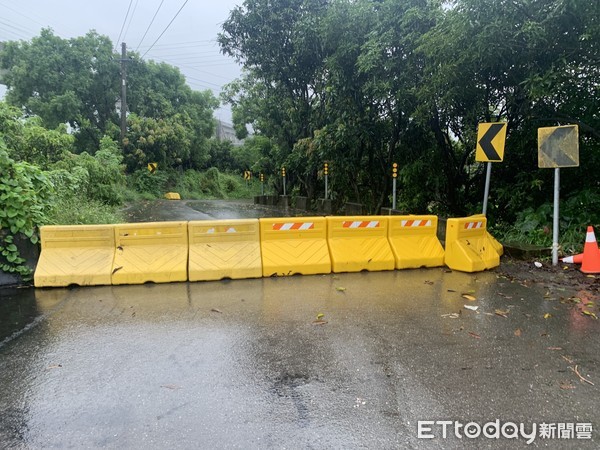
<point>468,248</point>
<point>294,245</point>
<point>414,241</point>
<point>359,243</point>
<point>224,249</point>
<point>155,251</point>
<point>76,254</point>
<point>497,245</point>
<point>172,196</point>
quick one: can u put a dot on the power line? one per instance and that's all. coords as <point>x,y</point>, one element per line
<point>123,26</point>
<point>151,22</point>
<point>130,19</point>
<point>166,28</point>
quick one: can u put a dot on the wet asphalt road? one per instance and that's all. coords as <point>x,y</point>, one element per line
<point>246,363</point>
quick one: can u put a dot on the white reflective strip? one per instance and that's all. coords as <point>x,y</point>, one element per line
<point>590,237</point>
<point>210,231</point>
<point>403,222</point>
<point>231,230</point>
<point>306,226</point>
<point>287,226</point>
<point>373,224</point>
<point>354,225</point>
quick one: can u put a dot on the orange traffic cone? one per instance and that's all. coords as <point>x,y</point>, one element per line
<point>591,256</point>
<point>574,259</point>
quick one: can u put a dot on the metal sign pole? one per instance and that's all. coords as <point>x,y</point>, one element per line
<point>486,194</point>
<point>326,176</point>
<point>556,215</point>
<point>394,195</point>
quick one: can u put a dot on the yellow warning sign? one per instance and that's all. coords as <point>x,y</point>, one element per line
<point>414,241</point>
<point>292,245</point>
<point>224,249</point>
<point>491,138</point>
<point>75,254</point>
<point>152,167</point>
<point>359,243</point>
<point>150,252</point>
<point>558,147</point>
<point>247,175</point>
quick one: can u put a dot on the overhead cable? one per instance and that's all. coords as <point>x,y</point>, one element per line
<point>166,28</point>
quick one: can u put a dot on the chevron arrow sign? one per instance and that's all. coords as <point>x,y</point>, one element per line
<point>490,142</point>
<point>558,147</point>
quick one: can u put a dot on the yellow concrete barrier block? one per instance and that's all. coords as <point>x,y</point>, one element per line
<point>75,254</point>
<point>414,241</point>
<point>497,245</point>
<point>294,245</point>
<point>150,252</point>
<point>224,249</point>
<point>172,196</point>
<point>468,248</point>
<point>359,243</point>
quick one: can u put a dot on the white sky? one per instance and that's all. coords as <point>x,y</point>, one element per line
<point>189,43</point>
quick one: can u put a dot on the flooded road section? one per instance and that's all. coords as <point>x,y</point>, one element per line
<point>165,210</point>
<point>333,361</point>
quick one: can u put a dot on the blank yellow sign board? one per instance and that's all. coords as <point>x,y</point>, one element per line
<point>76,254</point>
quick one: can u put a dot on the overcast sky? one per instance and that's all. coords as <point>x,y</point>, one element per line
<point>189,43</point>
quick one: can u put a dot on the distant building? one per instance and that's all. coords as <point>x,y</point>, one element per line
<point>225,132</point>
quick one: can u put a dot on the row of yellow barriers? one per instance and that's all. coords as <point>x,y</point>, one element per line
<point>163,252</point>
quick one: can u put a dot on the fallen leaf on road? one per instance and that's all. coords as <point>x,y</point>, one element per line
<point>538,264</point>
<point>475,335</point>
<point>54,366</point>
<point>589,304</point>
<point>501,313</point>
<point>554,348</point>
<point>170,386</point>
<point>320,316</point>
<point>590,314</point>
<point>547,315</point>
<point>590,276</point>
<point>566,385</point>
<point>428,282</point>
<point>500,294</point>
<point>472,308</point>
<point>581,377</point>
<point>451,316</point>
<point>451,290</point>
<point>319,322</point>
<point>340,289</point>
<point>216,310</point>
<point>469,297</point>
<point>518,332</point>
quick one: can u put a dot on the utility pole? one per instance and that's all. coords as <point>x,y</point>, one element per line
<point>123,91</point>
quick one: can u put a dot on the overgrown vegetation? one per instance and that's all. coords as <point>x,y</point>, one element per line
<point>361,84</point>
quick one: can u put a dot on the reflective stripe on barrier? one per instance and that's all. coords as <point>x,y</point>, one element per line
<point>468,247</point>
<point>150,252</point>
<point>359,243</point>
<point>414,241</point>
<point>224,249</point>
<point>290,246</point>
<point>75,254</point>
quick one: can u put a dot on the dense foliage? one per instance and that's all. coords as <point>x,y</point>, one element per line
<point>364,83</point>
